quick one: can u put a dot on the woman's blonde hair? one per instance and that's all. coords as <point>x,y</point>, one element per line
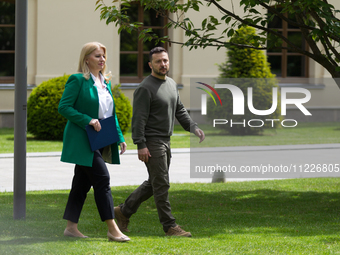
<point>87,49</point>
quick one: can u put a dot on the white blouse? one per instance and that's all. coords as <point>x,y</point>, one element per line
<point>105,98</point>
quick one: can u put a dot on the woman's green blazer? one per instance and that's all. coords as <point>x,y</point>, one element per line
<point>79,104</point>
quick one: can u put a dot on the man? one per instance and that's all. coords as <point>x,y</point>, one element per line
<point>156,104</point>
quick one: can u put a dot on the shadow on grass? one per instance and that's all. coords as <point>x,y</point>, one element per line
<point>265,211</point>
<point>206,210</point>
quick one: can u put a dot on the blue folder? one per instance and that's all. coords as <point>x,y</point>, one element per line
<point>106,136</point>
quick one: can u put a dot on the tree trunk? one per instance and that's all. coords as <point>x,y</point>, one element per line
<point>336,77</point>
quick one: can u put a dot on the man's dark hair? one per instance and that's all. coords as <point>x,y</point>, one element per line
<point>156,50</point>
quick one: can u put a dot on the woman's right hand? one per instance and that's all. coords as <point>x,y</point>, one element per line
<point>95,124</point>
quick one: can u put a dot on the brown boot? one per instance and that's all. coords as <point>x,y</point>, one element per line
<point>177,231</point>
<point>122,221</point>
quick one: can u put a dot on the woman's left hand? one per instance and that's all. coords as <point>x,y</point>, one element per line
<point>122,148</point>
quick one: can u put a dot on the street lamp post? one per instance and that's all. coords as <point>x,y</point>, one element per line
<point>20,111</point>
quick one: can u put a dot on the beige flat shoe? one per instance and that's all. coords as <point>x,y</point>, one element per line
<point>123,238</point>
<point>69,234</point>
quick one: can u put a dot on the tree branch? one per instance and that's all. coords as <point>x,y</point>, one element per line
<point>322,26</point>
<point>283,17</point>
<point>317,56</point>
<point>304,52</point>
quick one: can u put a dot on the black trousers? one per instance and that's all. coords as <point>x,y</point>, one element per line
<point>84,178</point>
<point>157,184</point>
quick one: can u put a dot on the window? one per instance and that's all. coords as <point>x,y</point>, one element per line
<point>286,63</point>
<point>7,36</point>
<point>134,53</point>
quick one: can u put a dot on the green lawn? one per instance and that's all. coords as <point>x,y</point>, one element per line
<point>293,216</point>
<point>299,216</point>
<point>304,133</point>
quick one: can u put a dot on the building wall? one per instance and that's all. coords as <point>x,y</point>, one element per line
<point>63,27</point>
<point>57,30</point>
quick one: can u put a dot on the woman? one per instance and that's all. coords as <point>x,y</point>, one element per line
<point>86,99</point>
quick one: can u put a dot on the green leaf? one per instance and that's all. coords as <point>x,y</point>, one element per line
<point>228,20</point>
<point>98,6</point>
<point>213,20</point>
<point>230,33</point>
<point>204,23</point>
<point>196,7</point>
<point>211,27</point>
<point>254,11</point>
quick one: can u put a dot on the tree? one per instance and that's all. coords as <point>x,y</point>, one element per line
<point>316,18</point>
<point>252,70</point>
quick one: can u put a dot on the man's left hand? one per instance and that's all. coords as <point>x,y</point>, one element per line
<point>200,134</point>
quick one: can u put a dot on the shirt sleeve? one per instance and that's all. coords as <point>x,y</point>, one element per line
<point>183,116</point>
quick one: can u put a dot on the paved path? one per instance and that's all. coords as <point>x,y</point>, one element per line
<point>46,172</point>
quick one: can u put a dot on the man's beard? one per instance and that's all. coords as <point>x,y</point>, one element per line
<point>161,74</point>
<point>158,72</point>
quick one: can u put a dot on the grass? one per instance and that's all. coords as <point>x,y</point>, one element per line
<point>304,133</point>
<point>32,144</point>
<point>296,216</point>
<point>292,216</point>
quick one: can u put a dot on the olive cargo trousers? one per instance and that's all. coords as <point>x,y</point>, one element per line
<point>157,184</point>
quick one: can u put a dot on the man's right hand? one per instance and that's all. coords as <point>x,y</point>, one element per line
<point>144,155</point>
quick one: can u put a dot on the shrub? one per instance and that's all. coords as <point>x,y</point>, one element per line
<point>251,69</point>
<point>43,119</point>
<point>123,108</point>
